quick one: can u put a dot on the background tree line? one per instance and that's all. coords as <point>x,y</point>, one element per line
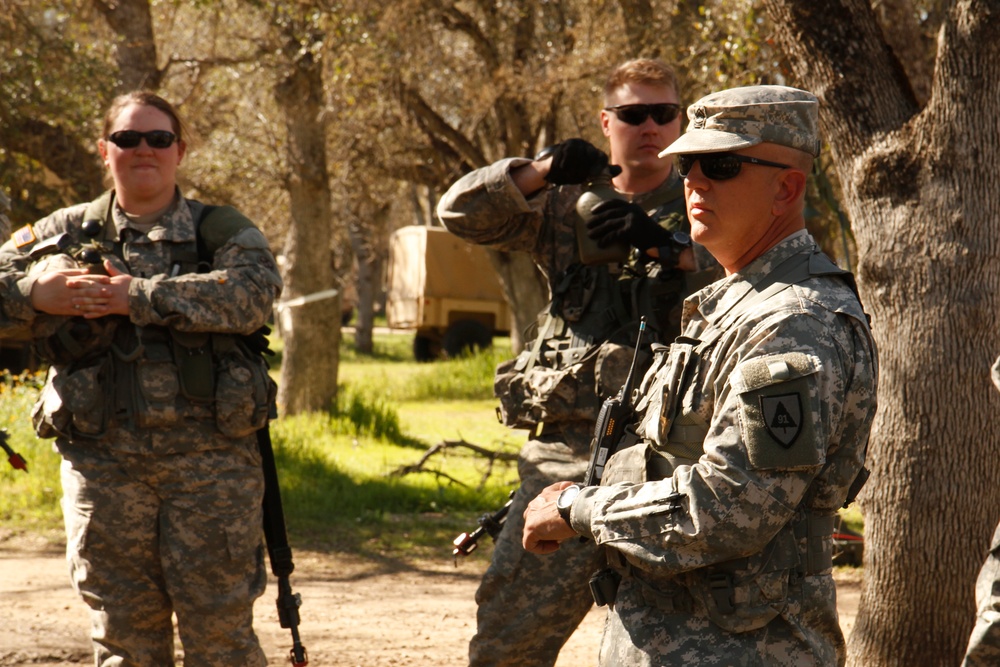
<point>331,123</point>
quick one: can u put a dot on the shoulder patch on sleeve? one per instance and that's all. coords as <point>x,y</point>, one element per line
<point>779,406</point>
<point>23,236</point>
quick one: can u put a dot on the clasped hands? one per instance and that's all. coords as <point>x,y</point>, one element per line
<point>75,292</point>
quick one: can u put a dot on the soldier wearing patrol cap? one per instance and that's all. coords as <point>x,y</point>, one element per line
<point>754,423</point>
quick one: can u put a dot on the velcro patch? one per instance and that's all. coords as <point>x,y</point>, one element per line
<point>778,410</point>
<point>23,236</point>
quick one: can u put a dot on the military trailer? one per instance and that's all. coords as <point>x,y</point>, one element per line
<point>445,290</point>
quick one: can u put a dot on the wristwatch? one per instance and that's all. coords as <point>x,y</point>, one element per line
<point>670,254</point>
<point>565,501</point>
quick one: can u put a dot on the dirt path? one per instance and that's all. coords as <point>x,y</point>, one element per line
<point>355,613</point>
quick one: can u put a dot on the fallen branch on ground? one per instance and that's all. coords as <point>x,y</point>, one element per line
<point>492,456</point>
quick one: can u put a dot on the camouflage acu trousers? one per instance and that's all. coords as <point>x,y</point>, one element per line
<point>153,536</point>
<point>529,605</point>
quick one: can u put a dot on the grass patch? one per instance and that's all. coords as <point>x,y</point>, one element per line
<point>336,468</point>
<point>27,500</point>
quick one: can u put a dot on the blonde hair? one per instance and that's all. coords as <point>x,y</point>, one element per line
<point>641,70</point>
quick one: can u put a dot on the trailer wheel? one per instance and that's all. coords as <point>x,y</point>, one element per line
<point>424,348</point>
<point>466,336</point>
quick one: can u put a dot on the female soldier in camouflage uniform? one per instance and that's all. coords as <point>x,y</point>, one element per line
<point>153,398</point>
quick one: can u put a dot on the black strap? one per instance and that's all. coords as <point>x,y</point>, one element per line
<point>278,551</point>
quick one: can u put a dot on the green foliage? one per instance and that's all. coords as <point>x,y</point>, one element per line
<point>30,499</point>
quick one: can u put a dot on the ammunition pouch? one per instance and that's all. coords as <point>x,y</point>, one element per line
<point>154,378</point>
<point>244,392</point>
<point>545,395</point>
<point>77,339</point>
<point>73,401</point>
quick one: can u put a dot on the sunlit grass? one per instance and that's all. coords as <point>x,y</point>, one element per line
<point>338,469</point>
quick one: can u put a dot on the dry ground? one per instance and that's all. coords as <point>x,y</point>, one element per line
<point>354,613</point>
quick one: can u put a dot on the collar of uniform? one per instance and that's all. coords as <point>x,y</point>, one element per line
<point>176,225</point>
<point>716,300</point>
<point>672,180</point>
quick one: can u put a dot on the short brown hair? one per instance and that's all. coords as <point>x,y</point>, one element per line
<point>641,70</point>
<point>142,98</point>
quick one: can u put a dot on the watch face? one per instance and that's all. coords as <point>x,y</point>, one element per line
<point>567,497</point>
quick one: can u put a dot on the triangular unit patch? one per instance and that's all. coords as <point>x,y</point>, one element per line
<point>782,417</point>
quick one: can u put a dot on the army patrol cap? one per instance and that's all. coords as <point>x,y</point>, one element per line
<point>742,117</point>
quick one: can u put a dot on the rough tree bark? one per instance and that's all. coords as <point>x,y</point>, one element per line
<point>135,48</point>
<point>311,331</point>
<point>922,190</point>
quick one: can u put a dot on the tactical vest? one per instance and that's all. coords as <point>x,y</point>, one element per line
<point>153,376</point>
<point>728,592</point>
<point>592,318</point>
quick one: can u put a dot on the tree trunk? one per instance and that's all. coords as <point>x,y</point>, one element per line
<point>311,330</point>
<point>525,289</point>
<point>135,50</point>
<point>930,277</point>
<point>370,258</point>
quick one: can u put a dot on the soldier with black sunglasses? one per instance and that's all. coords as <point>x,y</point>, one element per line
<point>140,302</point>
<point>753,425</point>
<point>529,606</point>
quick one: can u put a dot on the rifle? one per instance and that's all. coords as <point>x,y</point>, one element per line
<point>278,551</point>
<point>614,416</point>
<point>15,459</point>
<point>466,543</point>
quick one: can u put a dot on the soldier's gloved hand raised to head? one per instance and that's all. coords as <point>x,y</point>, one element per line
<point>575,161</point>
<point>617,220</point>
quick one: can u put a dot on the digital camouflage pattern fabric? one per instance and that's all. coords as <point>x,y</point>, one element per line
<point>720,521</point>
<point>4,215</point>
<point>984,643</point>
<point>161,473</point>
<point>742,117</point>
<point>583,357</point>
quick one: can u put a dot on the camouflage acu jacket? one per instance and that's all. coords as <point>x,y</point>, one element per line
<point>232,296</point>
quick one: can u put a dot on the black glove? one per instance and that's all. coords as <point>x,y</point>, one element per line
<point>257,341</point>
<point>575,161</point>
<point>616,220</point>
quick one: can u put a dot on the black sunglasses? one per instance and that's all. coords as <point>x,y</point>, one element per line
<point>154,138</point>
<point>636,114</point>
<point>720,166</point>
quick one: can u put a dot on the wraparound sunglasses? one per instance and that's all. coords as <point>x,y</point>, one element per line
<point>721,166</point>
<point>154,138</point>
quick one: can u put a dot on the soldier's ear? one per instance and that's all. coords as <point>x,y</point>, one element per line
<point>790,192</point>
